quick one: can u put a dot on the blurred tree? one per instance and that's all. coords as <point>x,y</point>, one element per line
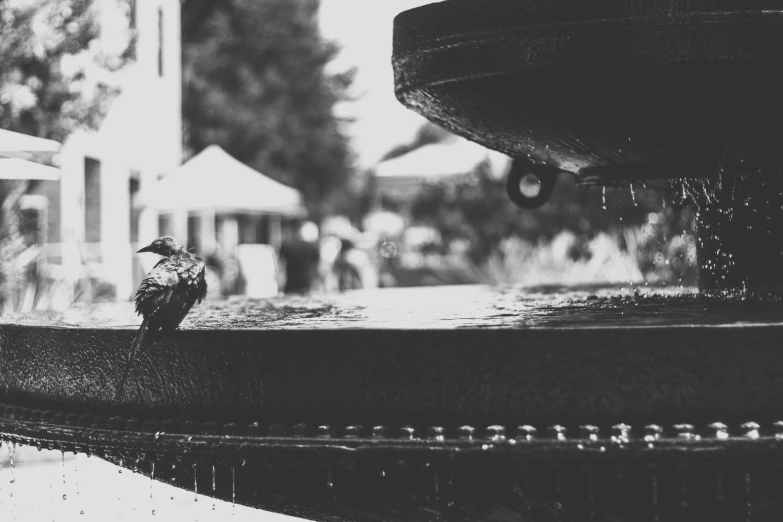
<point>255,84</point>
<point>48,88</point>
<point>426,134</point>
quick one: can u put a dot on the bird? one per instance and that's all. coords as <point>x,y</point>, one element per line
<point>166,294</point>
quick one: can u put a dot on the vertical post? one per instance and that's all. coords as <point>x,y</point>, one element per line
<point>71,211</point>
<point>276,231</point>
<point>206,232</point>
<point>180,225</point>
<point>116,254</point>
<point>228,235</point>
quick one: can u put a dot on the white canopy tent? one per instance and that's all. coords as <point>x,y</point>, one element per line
<point>23,146</point>
<point>19,169</point>
<point>16,148</point>
<point>215,181</point>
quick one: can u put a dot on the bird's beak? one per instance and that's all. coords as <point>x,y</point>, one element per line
<point>147,248</point>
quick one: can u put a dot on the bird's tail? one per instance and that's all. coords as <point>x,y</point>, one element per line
<point>145,326</point>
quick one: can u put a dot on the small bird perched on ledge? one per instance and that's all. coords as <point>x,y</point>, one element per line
<point>167,293</point>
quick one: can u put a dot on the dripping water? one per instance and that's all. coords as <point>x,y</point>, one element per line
<point>591,491</point>
<point>654,480</point>
<point>633,196</point>
<point>233,490</point>
<point>436,479</point>
<point>683,491</point>
<point>603,197</point>
<point>11,450</point>
<point>195,482</point>
<point>558,504</point>
<point>330,484</point>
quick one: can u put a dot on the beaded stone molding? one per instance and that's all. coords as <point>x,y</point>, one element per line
<point>93,434</point>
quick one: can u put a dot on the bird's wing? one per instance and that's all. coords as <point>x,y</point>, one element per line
<point>201,280</point>
<point>191,271</point>
<point>156,288</point>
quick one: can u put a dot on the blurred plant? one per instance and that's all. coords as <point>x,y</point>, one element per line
<point>53,81</point>
<point>255,84</point>
<point>639,237</point>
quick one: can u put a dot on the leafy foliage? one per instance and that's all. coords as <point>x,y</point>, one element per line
<point>52,82</point>
<point>46,57</point>
<point>256,85</point>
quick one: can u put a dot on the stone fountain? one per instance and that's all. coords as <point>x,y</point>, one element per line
<point>478,403</point>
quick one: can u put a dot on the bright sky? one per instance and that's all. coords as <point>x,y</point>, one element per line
<point>363,28</point>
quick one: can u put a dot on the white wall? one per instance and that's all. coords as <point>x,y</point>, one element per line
<point>142,131</point>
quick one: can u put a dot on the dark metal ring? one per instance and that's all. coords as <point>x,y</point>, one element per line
<point>521,168</point>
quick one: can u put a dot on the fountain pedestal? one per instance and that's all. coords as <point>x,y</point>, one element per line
<point>469,403</point>
<point>615,93</point>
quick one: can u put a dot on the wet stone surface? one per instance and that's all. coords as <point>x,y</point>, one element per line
<point>450,403</point>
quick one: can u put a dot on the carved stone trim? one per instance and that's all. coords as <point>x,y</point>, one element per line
<point>94,434</point>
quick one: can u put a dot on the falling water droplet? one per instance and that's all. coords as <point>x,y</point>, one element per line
<point>655,495</point>
<point>683,491</point>
<point>195,482</point>
<point>213,478</point>
<point>558,504</point>
<point>633,196</point>
<point>748,499</point>
<point>11,450</point>
<point>65,497</point>
<point>591,490</point>
<point>81,512</point>
<point>603,198</point>
<point>152,478</point>
<point>436,480</point>
<point>153,511</point>
<point>233,490</point>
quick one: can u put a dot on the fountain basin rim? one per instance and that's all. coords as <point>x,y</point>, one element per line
<point>24,425</point>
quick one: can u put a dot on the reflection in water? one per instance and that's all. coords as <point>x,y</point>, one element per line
<point>452,307</point>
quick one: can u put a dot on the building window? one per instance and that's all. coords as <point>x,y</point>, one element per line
<point>165,225</point>
<point>193,232</point>
<point>92,200</point>
<point>160,42</point>
<point>133,189</point>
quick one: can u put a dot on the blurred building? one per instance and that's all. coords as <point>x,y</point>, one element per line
<point>96,222</point>
<point>401,178</point>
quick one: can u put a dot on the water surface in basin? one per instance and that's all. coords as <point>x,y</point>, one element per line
<point>448,308</point>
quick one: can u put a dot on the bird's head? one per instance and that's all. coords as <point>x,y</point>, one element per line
<point>164,246</point>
